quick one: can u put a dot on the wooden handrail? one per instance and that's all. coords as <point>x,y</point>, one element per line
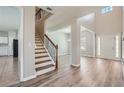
<point>56,47</point>
<point>50,40</point>
<point>56,56</point>
<point>38,11</point>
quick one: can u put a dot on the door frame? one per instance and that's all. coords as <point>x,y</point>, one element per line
<point>20,44</point>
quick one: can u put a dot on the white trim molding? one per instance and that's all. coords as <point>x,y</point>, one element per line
<point>75,65</point>
<point>20,38</point>
<point>30,77</point>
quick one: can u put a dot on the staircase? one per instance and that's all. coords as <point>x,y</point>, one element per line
<point>43,61</point>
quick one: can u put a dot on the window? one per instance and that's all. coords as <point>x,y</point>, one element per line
<point>3,40</point>
<point>117,46</point>
<point>83,43</point>
<point>106,9</point>
<point>98,46</point>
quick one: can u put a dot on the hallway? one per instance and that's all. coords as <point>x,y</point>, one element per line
<point>92,72</point>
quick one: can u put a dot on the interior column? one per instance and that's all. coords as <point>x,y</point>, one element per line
<point>75,38</point>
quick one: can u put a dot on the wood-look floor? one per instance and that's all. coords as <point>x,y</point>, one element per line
<point>8,71</point>
<point>92,73</point>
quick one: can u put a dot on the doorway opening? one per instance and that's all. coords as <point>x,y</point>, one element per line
<point>9,36</point>
<point>87,42</point>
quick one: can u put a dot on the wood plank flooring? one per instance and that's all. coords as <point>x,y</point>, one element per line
<point>92,73</point>
<point>8,71</point>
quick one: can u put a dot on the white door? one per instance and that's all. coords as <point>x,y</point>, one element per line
<point>110,46</point>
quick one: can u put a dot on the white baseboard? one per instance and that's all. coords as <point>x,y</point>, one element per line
<point>75,65</point>
<point>28,78</point>
<point>123,69</point>
<point>63,54</point>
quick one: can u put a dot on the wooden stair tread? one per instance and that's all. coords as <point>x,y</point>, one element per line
<point>47,73</point>
<point>40,52</point>
<point>44,67</point>
<point>38,42</point>
<point>39,45</point>
<point>41,56</point>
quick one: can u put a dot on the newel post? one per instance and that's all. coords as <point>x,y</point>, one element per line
<point>56,56</point>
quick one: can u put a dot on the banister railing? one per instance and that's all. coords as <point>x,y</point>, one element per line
<point>42,15</point>
<point>52,49</point>
<point>38,14</point>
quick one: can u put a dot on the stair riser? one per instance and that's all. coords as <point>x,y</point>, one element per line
<point>38,42</point>
<point>40,62</point>
<point>36,38</point>
<point>39,48</point>
<point>40,52</point>
<point>41,57</point>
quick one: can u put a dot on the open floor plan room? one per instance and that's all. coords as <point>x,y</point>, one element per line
<point>93,72</point>
<point>62,46</point>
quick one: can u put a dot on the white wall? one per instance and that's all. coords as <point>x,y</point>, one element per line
<point>60,37</point>
<point>108,46</point>
<point>123,35</point>
<point>8,49</point>
<point>88,21</point>
<point>28,42</point>
<point>9,18</point>
<point>109,25</point>
<point>105,25</point>
<point>39,27</point>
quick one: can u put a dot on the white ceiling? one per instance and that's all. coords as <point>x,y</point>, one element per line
<point>9,18</point>
<point>63,15</point>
